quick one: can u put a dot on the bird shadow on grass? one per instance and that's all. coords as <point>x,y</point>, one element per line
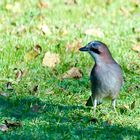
<point>65,121</point>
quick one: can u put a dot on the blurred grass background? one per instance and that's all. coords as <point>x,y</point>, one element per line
<point>57,109</point>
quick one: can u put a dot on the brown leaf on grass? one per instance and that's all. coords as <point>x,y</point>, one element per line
<point>136,48</point>
<point>37,49</point>
<point>74,46</point>
<point>132,106</point>
<point>45,29</point>
<point>138,39</point>
<point>108,2</point>
<point>70,2</point>
<point>4,94</point>
<point>1,49</point>
<point>124,109</point>
<point>17,47</point>
<point>136,30</point>
<point>42,4</point>
<point>9,6</point>
<point>94,32</point>
<point>133,87</point>
<point>30,55</point>
<point>49,91</point>
<point>107,123</point>
<point>3,128</point>
<point>16,7</point>
<point>33,53</point>
<point>12,124</point>
<point>35,88</point>
<point>136,3</point>
<point>125,11</point>
<point>35,108</point>
<point>21,29</point>
<point>19,74</point>
<point>9,86</point>
<point>63,32</point>
<point>73,73</point>
<point>94,120</point>
<point>51,59</point>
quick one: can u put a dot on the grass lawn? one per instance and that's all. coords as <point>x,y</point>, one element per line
<point>48,106</point>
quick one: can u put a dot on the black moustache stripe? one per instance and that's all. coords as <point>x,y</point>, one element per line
<point>95,50</point>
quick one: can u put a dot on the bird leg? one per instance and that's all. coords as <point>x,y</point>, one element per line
<point>89,102</point>
<point>94,102</point>
<point>114,105</point>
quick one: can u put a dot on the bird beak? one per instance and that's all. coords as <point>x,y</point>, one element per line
<point>84,49</point>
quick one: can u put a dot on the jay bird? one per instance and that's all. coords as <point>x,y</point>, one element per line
<point>106,76</point>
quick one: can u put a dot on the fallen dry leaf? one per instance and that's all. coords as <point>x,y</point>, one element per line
<point>30,55</point>
<point>1,49</point>
<point>37,49</point>
<point>125,11</point>
<point>16,7</point>
<point>108,2</point>
<point>3,128</point>
<point>70,2</point>
<point>21,29</point>
<point>94,32</point>
<point>4,94</point>
<point>138,39</point>
<point>43,4</point>
<point>51,59</point>
<point>107,123</point>
<point>124,109</point>
<point>63,32</point>
<point>35,88</point>
<point>24,72</point>
<point>74,46</point>
<point>19,74</point>
<point>73,73</point>
<point>45,29</point>
<point>137,30</point>
<point>35,108</point>
<point>9,86</point>
<point>33,53</point>
<point>12,124</point>
<point>94,120</point>
<point>132,106</point>
<point>49,91</point>
<point>17,47</point>
<point>136,48</point>
<point>136,3</point>
<point>9,6</point>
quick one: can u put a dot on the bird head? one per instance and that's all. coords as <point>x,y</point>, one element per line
<point>99,51</point>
